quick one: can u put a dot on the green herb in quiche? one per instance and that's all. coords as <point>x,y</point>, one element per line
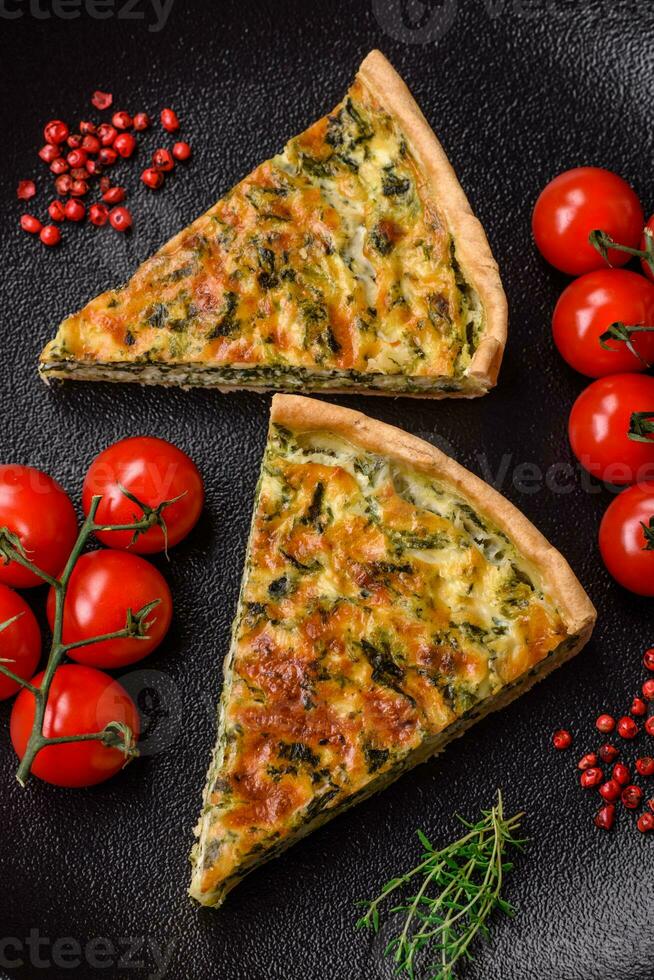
<point>452,893</point>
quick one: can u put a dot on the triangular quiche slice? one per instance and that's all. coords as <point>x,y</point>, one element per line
<point>390,599</point>
<point>350,260</point>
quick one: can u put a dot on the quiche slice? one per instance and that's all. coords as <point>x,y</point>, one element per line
<point>351,260</point>
<point>390,599</point>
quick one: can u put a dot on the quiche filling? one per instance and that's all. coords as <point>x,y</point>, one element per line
<point>378,612</point>
<point>328,266</point>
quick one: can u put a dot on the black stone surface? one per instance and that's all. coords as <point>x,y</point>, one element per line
<point>517,92</point>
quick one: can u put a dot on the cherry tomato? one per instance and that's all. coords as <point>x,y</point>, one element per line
<point>643,247</point>
<point>580,201</point>
<point>599,424</point>
<point>37,509</point>
<point>153,470</point>
<point>104,584</point>
<point>20,643</point>
<point>588,306</point>
<point>81,700</point>
<point>626,538</point>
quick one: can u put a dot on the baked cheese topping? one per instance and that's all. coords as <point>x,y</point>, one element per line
<point>328,260</point>
<point>377,608</point>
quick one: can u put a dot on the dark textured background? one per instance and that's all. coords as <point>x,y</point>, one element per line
<point>516,93</point>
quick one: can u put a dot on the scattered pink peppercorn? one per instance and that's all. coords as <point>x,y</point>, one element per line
<point>627,727</point>
<point>120,219</point>
<point>30,224</point>
<point>648,690</point>
<point>162,160</point>
<point>645,822</point>
<point>79,188</point>
<point>605,817</point>
<point>141,121</point>
<point>102,100</point>
<point>50,235</point>
<point>26,190</point>
<point>588,761</point>
<point>87,127</point>
<point>124,144</point>
<point>649,726</point>
<point>91,144</point>
<point>74,210</point>
<point>638,707</point>
<point>107,134</point>
<point>648,659</point>
<point>645,766</point>
<point>605,723</point>
<point>98,214</point>
<point>122,120</point>
<point>107,156</point>
<point>561,739</point>
<point>63,184</point>
<point>59,166</point>
<point>608,753</point>
<point>591,777</point>
<point>114,195</point>
<point>182,151</point>
<point>55,131</point>
<point>49,152</point>
<point>621,774</point>
<point>169,120</point>
<point>154,179</point>
<point>610,790</point>
<point>56,210</point>
<point>74,141</point>
<point>631,797</point>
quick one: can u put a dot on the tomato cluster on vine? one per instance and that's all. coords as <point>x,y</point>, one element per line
<point>104,590</point>
<point>589,222</point>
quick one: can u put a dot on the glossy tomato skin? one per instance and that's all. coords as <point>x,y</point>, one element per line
<point>153,470</point>
<point>578,202</point>
<point>20,643</point>
<point>104,584</point>
<point>39,511</point>
<point>622,539</point>
<point>598,427</point>
<point>81,700</point>
<point>588,307</point>
<point>643,247</point>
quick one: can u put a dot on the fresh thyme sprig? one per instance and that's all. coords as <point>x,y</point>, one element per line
<point>459,887</point>
<point>115,734</point>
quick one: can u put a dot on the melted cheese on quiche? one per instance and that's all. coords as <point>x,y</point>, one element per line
<point>326,259</point>
<point>377,609</point>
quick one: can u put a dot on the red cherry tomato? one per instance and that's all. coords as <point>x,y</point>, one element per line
<point>585,310</point>
<point>20,643</point>
<point>81,701</point>
<point>104,584</point>
<point>153,470</point>
<point>599,425</point>
<point>626,539</point>
<point>580,201</point>
<point>643,246</point>
<point>37,509</point>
